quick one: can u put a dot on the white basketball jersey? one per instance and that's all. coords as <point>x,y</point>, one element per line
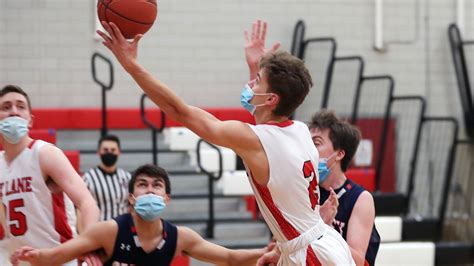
<point>290,201</point>
<point>34,215</point>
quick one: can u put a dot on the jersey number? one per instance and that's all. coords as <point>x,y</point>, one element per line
<point>308,171</point>
<point>20,227</point>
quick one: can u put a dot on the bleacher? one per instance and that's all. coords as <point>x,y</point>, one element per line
<point>413,153</point>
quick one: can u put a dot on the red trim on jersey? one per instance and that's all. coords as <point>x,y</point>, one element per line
<point>288,230</point>
<point>2,232</point>
<point>311,258</point>
<point>31,144</point>
<point>281,124</point>
<point>60,220</point>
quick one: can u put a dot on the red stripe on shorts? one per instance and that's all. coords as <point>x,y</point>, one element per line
<point>311,258</point>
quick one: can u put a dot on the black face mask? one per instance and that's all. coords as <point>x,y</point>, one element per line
<point>108,159</point>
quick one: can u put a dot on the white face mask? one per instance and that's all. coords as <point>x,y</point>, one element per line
<point>13,129</point>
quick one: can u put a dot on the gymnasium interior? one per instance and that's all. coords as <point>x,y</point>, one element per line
<point>402,71</point>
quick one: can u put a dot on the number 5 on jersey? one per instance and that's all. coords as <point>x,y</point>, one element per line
<point>17,219</point>
<point>310,175</point>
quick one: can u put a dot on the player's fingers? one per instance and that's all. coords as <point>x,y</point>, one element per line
<point>30,254</point>
<point>264,32</point>
<point>261,261</point>
<point>246,36</point>
<point>109,30</point>
<point>275,47</point>
<point>117,32</point>
<point>137,38</point>
<point>259,25</point>
<point>92,260</point>
<point>104,36</point>
<point>106,44</point>
<point>254,31</point>
<point>271,246</point>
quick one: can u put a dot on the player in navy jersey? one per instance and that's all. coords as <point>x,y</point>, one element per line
<point>337,142</point>
<point>141,237</point>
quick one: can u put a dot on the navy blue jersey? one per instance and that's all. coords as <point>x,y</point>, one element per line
<point>348,195</point>
<point>127,248</point>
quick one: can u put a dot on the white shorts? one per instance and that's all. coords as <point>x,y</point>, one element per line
<point>326,243</point>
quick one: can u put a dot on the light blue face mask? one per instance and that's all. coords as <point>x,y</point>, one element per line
<point>246,96</point>
<point>323,168</point>
<point>149,206</point>
<point>13,128</point>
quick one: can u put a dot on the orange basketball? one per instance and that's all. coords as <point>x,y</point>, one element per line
<point>131,16</point>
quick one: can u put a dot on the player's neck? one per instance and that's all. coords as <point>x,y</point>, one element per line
<point>335,180</point>
<point>266,117</point>
<point>13,150</point>
<point>147,230</point>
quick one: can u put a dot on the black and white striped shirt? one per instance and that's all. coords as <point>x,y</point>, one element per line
<point>110,191</point>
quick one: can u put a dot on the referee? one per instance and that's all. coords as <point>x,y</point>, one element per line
<point>107,183</point>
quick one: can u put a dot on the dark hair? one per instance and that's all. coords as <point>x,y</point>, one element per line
<point>343,135</point>
<point>287,77</point>
<point>15,89</point>
<point>109,138</point>
<point>153,171</point>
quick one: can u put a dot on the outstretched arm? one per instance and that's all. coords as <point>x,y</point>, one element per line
<point>231,134</point>
<point>192,244</point>
<point>255,46</point>
<point>99,235</point>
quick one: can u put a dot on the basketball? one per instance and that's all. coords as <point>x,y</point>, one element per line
<point>132,17</point>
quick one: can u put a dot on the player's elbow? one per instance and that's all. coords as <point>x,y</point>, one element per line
<point>180,112</point>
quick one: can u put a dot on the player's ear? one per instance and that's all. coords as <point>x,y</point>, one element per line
<point>167,199</point>
<point>340,155</point>
<point>131,199</point>
<point>273,99</point>
<point>30,124</point>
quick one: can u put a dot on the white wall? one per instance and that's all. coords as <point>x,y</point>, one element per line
<point>197,47</point>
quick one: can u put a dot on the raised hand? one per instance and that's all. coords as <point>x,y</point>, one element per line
<point>125,51</point>
<point>255,46</point>
<point>328,210</point>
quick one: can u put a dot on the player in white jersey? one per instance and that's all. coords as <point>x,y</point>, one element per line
<point>34,175</point>
<point>288,199</point>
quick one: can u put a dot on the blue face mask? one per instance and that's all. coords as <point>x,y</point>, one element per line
<point>149,206</point>
<point>246,96</point>
<point>13,128</point>
<point>323,168</point>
